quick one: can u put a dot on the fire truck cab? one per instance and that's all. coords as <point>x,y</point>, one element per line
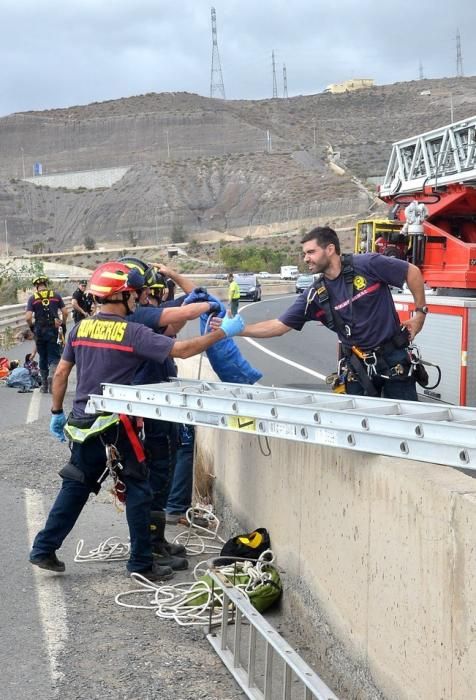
<point>381,236</point>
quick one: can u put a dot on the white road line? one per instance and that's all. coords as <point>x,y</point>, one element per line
<point>285,359</point>
<point>280,357</point>
<point>34,407</point>
<point>49,591</point>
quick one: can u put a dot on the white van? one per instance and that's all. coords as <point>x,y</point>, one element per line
<point>289,272</point>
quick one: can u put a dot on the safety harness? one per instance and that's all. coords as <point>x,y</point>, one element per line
<point>81,429</point>
<point>43,314</point>
<point>362,362</point>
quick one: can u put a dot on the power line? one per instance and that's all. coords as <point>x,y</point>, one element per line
<point>217,88</point>
<point>275,85</point>
<point>421,76</point>
<point>459,56</point>
<point>285,81</point>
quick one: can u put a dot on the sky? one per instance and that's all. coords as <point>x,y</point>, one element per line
<point>61,53</point>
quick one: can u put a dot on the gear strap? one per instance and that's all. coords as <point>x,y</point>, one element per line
<point>333,319</point>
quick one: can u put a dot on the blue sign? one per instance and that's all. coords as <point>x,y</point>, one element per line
<point>37,169</point>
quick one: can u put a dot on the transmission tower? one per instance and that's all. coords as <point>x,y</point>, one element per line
<point>459,56</point>
<point>217,88</point>
<point>421,76</point>
<point>275,85</point>
<point>285,81</point>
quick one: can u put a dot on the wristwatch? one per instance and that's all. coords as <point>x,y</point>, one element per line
<point>423,309</point>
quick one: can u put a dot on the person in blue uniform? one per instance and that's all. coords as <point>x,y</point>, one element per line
<point>46,315</point>
<point>109,348</point>
<point>352,297</point>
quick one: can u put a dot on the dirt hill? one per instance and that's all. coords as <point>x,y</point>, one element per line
<point>197,164</point>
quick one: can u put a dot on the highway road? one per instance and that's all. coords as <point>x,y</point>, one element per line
<point>63,636</point>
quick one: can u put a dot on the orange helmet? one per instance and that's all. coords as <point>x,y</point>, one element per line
<point>114,277</point>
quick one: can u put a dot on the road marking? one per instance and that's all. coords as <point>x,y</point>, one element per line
<point>49,591</point>
<point>285,359</point>
<point>280,357</point>
<point>34,407</point>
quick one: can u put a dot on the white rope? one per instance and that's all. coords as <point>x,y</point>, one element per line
<point>175,602</point>
<point>111,549</point>
<point>198,539</point>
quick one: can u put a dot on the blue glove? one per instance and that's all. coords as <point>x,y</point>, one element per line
<point>57,424</point>
<point>232,326</point>
<point>196,295</point>
<point>216,306</point>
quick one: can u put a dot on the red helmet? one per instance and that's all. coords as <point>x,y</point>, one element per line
<point>114,277</point>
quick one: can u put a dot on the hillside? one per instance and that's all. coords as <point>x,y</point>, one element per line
<point>206,165</point>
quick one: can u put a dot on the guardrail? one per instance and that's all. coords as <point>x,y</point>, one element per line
<point>12,320</point>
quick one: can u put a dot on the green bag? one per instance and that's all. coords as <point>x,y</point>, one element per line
<point>262,596</point>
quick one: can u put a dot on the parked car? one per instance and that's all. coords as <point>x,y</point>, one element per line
<point>303,282</point>
<point>264,274</point>
<point>249,285</point>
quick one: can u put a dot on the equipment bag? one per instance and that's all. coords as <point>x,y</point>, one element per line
<point>248,546</point>
<point>262,592</point>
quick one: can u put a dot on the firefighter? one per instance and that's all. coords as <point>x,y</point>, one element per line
<point>109,348</point>
<point>46,316</point>
<point>351,296</point>
<point>81,302</point>
<point>162,437</point>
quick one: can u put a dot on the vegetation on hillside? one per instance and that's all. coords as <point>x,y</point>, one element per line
<point>252,258</point>
<point>14,278</point>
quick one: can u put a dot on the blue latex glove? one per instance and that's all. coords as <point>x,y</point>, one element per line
<point>232,326</point>
<point>196,295</point>
<point>57,424</point>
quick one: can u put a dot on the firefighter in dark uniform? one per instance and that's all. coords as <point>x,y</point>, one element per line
<point>109,348</point>
<point>81,302</point>
<point>46,315</point>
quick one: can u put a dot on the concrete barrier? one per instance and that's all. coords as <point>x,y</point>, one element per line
<point>379,556</point>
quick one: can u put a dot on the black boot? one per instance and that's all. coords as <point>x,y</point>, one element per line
<point>160,546</point>
<point>44,382</point>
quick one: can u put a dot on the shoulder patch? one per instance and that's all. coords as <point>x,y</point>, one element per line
<point>360,282</point>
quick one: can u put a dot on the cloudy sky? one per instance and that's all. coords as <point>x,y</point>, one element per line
<point>59,53</point>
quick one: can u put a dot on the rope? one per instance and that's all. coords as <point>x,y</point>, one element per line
<point>175,602</point>
<point>111,549</point>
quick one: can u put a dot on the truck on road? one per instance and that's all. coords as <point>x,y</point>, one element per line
<point>289,272</point>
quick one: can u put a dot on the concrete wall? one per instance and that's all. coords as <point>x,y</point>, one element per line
<point>383,549</point>
<point>89,179</point>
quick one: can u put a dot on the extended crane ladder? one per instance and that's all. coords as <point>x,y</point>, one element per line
<point>439,157</point>
<point>297,679</point>
<point>413,430</point>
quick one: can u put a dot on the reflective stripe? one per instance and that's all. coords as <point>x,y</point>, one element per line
<point>101,424</point>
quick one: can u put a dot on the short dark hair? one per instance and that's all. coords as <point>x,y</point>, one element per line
<point>324,236</point>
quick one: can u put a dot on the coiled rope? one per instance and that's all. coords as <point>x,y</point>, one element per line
<point>196,539</point>
<point>196,603</point>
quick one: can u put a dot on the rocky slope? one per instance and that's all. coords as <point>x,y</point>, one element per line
<point>202,164</point>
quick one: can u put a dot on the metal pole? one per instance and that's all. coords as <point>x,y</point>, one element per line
<point>168,145</point>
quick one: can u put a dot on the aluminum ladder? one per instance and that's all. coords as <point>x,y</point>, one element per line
<point>412,430</point>
<point>440,157</point>
<point>297,679</point>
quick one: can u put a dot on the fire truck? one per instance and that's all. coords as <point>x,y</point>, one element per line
<point>430,187</point>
